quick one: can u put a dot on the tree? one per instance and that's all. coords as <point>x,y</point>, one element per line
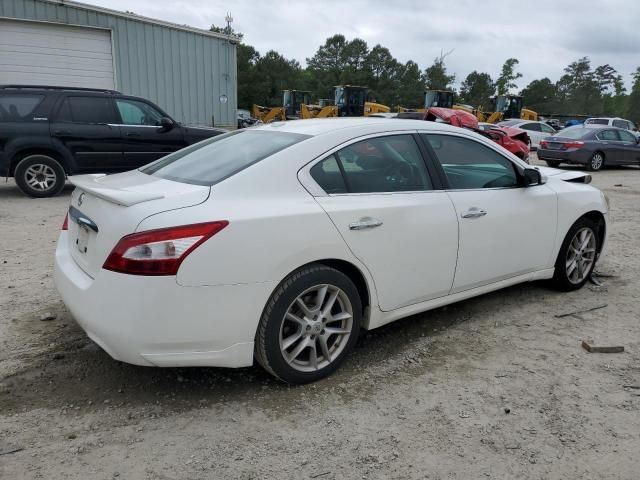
<point>384,74</point>
<point>328,64</point>
<point>578,89</point>
<point>505,82</point>
<point>275,73</point>
<point>477,89</point>
<point>436,77</point>
<point>633,106</point>
<point>411,86</point>
<point>541,96</point>
<point>247,57</point>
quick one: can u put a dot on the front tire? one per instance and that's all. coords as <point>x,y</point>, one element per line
<point>596,162</point>
<point>39,176</point>
<point>309,325</point>
<point>553,163</point>
<point>577,257</point>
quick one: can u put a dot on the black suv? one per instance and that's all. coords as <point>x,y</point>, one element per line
<point>47,133</point>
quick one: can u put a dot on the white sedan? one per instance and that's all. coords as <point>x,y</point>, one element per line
<point>279,243</point>
<point>536,130</point>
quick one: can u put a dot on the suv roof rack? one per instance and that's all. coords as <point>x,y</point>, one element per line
<point>49,87</point>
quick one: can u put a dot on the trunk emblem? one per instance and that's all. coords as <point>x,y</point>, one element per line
<point>80,199</point>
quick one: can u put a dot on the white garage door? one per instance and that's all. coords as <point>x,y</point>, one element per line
<point>35,53</point>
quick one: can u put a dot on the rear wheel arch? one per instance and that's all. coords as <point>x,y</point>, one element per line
<point>50,152</point>
<point>598,218</point>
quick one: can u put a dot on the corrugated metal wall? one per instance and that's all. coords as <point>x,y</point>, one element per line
<point>184,72</point>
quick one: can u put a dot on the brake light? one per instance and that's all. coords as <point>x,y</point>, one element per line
<point>159,252</point>
<point>65,223</point>
<point>573,144</point>
<point>544,144</point>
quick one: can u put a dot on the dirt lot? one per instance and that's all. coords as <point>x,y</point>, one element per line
<point>494,387</point>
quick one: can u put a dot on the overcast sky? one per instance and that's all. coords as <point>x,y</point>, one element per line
<point>545,35</point>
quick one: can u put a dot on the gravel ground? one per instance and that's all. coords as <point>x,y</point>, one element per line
<point>493,387</point>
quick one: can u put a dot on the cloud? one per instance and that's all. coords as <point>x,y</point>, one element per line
<point>545,35</point>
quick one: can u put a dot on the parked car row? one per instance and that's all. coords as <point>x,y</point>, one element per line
<point>50,132</point>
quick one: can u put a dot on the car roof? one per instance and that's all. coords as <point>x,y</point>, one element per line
<point>315,127</point>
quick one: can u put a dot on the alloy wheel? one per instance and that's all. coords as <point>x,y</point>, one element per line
<point>316,328</point>
<point>581,255</point>
<point>596,161</point>
<point>40,177</point>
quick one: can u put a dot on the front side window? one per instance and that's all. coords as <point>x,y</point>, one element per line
<point>94,110</point>
<point>215,159</point>
<point>608,135</point>
<point>547,129</point>
<point>377,165</point>
<point>18,107</point>
<point>133,112</point>
<point>532,126</point>
<point>468,164</point>
<point>626,136</point>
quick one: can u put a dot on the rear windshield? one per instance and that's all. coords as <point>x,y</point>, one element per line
<point>573,132</point>
<point>18,107</point>
<point>213,160</point>
<point>597,121</point>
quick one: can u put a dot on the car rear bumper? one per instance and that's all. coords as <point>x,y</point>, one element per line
<point>576,156</point>
<point>153,321</point>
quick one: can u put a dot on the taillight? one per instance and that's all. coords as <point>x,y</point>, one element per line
<point>544,144</point>
<point>159,252</point>
<point>573,144</point>
<point>65,223</point>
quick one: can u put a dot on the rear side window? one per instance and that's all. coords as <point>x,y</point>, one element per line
<point>597,121</point>
<point>532,126</point>
<point>211,161</point>
<point>376,165</point>
<point>18,107</point>
<point>470,165</point>
<point>133,112</point>
<point>96,110</point>
<point>621,124</point>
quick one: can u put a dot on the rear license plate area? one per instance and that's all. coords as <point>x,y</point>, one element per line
<point>82,239</point>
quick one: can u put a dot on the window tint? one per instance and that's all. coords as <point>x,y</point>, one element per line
<point>470,165</point>
<point>532,126</point>
<point>626,136</point>
<point>620,124</point>
<point>18,107</point>
<point>547,129</point>
<point>86,110</point>
<point>597,121</point>
<point>610,135</point>
<point>213,160</point>
<point>384,164</point>
<point>133,112</point>
<point>327,174</point>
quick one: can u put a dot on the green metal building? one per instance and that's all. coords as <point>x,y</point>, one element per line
<point>190,73</point>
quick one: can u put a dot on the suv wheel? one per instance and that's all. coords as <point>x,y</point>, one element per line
<point>39,176</point>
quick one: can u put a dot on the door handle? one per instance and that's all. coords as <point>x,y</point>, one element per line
<point>58,133</point>
<point>473,212</point>
<point>364,223</point>
<point>131,134</point>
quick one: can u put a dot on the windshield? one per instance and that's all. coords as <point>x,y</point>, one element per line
<point>215,159</point>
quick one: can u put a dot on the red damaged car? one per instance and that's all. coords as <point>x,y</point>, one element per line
<point>515,140</point>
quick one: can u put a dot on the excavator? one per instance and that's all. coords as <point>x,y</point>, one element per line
<point>290,109</point>
<point>349,101</point>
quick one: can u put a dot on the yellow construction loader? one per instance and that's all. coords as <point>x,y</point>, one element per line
<point>504,107</point>
<point>290,109</point>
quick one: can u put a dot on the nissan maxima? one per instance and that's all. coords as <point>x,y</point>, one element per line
<point>280,243</point>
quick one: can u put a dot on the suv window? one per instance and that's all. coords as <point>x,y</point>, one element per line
<point>213,160</point>
<point>18,107</point>
<point>621,124</point>
<point>86,110</point>
<point>470,165</point>
<point>133,112</point>
<point>597,121</point>
<point>532,126</point>
<point>611,135</point>
<point>627,136</point>
<point>382,164</point>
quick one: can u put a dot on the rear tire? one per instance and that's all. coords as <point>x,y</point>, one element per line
<point>39,176</point>
<point>309,325</point>
<point>553,163</point>
<point>577,257</point>
<point>596,162</point>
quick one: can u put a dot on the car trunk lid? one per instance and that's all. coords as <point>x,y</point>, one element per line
<point>106,208</point>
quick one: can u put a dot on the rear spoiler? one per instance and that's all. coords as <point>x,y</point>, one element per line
<point>92,184</point>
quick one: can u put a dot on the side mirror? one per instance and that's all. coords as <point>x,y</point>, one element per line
<point>166,124</point>
<point>532,177</point>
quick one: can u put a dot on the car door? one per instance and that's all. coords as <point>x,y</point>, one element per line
<point>630,146</point>
<point>144,139</point>
<point>393,215</point>
<point>534,131</point>
<point>83,124</point>
<point>612,146</point>
<point>506,229</point>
